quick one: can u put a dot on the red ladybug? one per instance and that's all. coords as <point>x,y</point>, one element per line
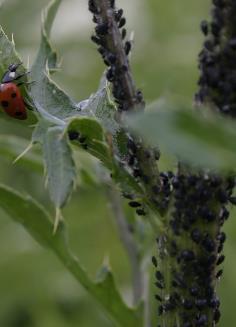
<point>11,99</point>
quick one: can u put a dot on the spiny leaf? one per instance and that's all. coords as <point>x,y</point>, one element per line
<point>104,109</point>
<point>46,55</point>
<point>8,54</point>
<point>47,95</point>
<point>45,92</point>
<point>101,106</point>
<point>36,221</point>
<point>12,146</point>
<point>53,107</point>
<point>40,131</point>
<point>56,108</point>
<point>59,165</point>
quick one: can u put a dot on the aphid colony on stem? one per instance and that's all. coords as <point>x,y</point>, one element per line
<point>118,65</point>
<point>110,37</point>
<point>192,205</point>
<point>217,62</point>
<point>194,241</point>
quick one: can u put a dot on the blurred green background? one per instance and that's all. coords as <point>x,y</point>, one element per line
<point>35,289</point>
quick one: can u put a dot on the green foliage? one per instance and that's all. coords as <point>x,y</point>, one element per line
<point>57,111</point>
<point>58,115</point>
<point>94,138</point>
<point>52,107</point>
<point>103,108</point>
<point>36,221</point>
<point>207,141</point>
<point>59,165</point>
<point>11,147</point>
<point>7,51</point>
<point>51,102</point>
<point>96,142</point>
<point>100,105</point>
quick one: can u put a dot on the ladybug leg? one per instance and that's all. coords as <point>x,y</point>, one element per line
<point>25,83</point>
<point>21,75</point>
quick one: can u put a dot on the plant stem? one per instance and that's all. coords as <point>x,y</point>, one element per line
<point>128,242</point>
<point>105,15</point>
<point>147,313</point>
<point>114,50</point>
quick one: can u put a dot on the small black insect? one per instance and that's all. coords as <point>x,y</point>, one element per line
<point>154,261</point>
<point>134,204</point>
<point>118,15</point>
<point>219,273</point>
<point>158,298</point>
<point>122,22</point>
<point>220,259</point>
<point>73,135</point>
<point>127,47</point>
<point>140,212</point>
<point>204,27</point>
<point>123,33</point>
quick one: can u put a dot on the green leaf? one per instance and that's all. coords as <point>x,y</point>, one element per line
<point>59,165</point>
<point>97,144</point>
<point>94,139</point>
<point>40,131</point>
<point>11,147</point>
<point>104,109</point>
<point>87,178</point>
<point>47,96</point>
<point>46,55</point>
<point>36,221</point>
<point>101,106</point>
<point>50,99</point>
<point>88,127</point>
<point>207,141</point>
<point>8,54</point>
<point>55,108</point>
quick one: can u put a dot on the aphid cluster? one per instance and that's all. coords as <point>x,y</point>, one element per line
<point>160,190</point>
<point>161,193</point>
<point>217,62</point>
<point>196,246</point>
<point>110,34</point>
<point>133,164</point>
<point>117,61</point>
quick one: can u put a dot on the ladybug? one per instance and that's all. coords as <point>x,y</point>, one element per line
<point>11,99</point>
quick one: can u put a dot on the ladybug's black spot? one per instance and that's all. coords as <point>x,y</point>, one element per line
<point>13,95</point>
<point>5,104</point>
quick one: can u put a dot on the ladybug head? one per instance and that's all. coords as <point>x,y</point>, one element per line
<point>10,74</point>
<point>13,67</point>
